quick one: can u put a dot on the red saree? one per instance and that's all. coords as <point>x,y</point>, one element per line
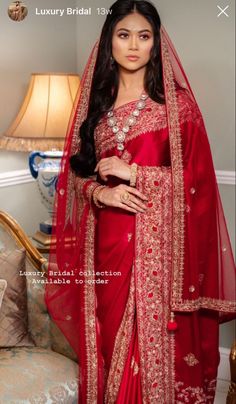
<point>127,273</point>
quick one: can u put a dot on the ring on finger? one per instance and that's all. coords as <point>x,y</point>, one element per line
<point>125,197</point>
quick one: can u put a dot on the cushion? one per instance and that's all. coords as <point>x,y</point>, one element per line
<point>3,285</point>
<point>43,330</point>
<point>37,376</point>
<point>14,314</point>
<point>60,343</point>
<point>38,317</point>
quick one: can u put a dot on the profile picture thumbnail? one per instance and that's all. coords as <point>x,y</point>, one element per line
<point>17,11</point>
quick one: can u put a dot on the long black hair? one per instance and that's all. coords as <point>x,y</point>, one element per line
<point>104,87</point>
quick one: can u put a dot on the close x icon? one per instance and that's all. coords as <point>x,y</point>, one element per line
<point>223,11</point>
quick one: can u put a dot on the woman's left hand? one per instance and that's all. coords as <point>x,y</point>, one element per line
<point>113,166</point>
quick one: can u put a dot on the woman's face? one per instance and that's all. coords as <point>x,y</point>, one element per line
<point>132,42</point>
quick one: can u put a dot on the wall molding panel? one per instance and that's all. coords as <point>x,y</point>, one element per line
<point>224,368</point>
<point>19,177</point>
<point>225,177</point>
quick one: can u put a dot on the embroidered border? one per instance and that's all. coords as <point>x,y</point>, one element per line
<point>83,102</point>
<point>74,125</point>
<point>89,188</point>
<point>206,303</point>
<point>152,279</point>
<point>177,179</point>
<point>121,347</point>
<point>90,313</point>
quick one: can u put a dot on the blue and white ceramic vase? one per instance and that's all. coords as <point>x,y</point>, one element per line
<point>45,166</point>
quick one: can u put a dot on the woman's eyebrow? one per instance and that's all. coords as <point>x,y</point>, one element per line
<point>127,30</point>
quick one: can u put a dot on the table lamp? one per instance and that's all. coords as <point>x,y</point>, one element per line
<point>41,126</point>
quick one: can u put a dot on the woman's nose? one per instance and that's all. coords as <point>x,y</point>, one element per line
<point>133,42</point>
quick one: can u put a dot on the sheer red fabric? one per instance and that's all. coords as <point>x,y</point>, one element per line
<point>176,258</point>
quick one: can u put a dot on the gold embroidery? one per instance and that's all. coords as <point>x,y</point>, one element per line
<point>152,273</point>
<point>90,312</point>
<point>129,236</point>
<point>207,303</point>
<point>187,208</point>
<point>69,195</point>
<point>80,204</point>
<point>121,347</point>
<point>81,113</point>
<point>191,359</point>
<point>90,188</point>
<point>200,395</point>
<point>134,366</point>
<point>177,179</point>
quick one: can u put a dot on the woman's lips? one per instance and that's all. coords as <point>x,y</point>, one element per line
<point>132,58</point>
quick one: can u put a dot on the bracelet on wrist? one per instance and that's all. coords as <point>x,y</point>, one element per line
<point>95,196</point>
<point>133,174</point>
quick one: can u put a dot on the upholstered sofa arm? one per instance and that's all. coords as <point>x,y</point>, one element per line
<point>43,331</point>
<point>32,369</point>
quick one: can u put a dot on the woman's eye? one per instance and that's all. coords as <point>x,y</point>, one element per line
<point>144,36</point>
<point>124,35</point>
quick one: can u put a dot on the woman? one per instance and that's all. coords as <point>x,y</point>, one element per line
<point>142,239</point>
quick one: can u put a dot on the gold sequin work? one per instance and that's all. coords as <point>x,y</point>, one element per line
<point>191,359</point>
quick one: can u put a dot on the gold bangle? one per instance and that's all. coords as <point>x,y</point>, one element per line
<point>133,174</point>
<point>95,196</point>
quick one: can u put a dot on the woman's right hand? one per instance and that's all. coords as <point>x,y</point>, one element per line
<point>117,197</point>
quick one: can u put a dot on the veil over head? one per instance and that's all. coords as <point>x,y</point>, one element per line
<point>201,249</point>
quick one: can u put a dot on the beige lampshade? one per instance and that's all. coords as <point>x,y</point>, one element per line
<point>42,121</point>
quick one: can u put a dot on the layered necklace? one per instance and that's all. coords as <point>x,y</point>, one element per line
<point>120,134</point>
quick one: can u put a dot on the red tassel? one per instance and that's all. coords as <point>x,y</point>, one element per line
<point>172,324</point>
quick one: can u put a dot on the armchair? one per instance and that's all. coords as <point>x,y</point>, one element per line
<point>45,371</point>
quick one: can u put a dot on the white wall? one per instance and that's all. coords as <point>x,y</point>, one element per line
<point>37,44</point>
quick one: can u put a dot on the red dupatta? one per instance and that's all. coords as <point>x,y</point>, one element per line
<point>218,292</point>
<point>202,274</point>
